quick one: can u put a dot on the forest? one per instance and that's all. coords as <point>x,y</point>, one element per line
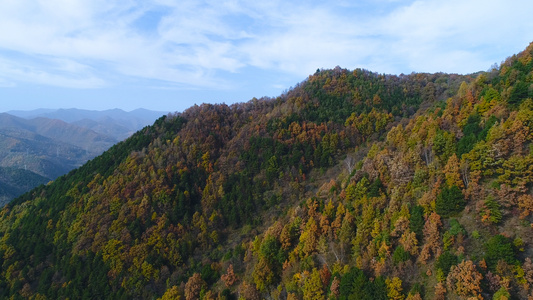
<point>350,185</point>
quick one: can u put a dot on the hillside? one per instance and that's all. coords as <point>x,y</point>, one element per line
<point>15,182</point>
<point>90,141</point>
<point>50,158</point>
<point>43,142</point>
<point>43,149</point>
<point>351,185</point>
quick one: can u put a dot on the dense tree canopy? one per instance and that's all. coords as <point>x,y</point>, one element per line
<point>344,187</point>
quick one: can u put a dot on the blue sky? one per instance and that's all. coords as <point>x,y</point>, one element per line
<point>168,55</point>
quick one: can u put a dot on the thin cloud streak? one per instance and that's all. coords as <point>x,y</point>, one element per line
<point>50,71</point>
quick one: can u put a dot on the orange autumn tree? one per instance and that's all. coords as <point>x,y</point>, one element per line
<point>433,242</point>
<point>229,278</point>
<point>194,285</point>
<point>465,280</point>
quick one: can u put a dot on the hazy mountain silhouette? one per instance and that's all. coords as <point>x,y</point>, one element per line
<point>116,123</point>
<point>49,143</point>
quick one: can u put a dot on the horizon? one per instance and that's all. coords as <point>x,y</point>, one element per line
<point>168,57</point>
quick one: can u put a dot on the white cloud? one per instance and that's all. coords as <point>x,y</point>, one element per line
<point>54,72</point>
<point>182,51</point>
<point>455,35</point>
<point>451,36</point>
<point>79,43</point>
<point>307,38</point>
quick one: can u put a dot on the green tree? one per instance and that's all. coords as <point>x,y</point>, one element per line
<point>376,289</point>
<point>450,201</point>
<point>272,168</point>
<point>519,93</point>
<point>491,212</point>
<point>445,261</point>
<point>400,255</point>
<point>498,248</point>
<point>416,222</point>
<point>352,285</point>
<point>444,145</point>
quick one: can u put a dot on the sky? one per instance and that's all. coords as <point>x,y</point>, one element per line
<point>169,55</point>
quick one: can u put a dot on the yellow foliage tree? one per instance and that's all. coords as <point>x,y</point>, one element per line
<point>451,172</point>
<point>313,289</point>
<point>171,294</point>
<point>394,288</point>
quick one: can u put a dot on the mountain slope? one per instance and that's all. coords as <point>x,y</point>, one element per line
<point>29,138</point>
<point>23,149</point>
<point>46,147</point>
<point>15,182</point>
<point>91,141</point>
<point>107,126</point>
<point>61,131</point>
<point>352,184</point>
<point>35,144</point>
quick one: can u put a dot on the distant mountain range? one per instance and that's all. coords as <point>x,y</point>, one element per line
<point>43,144</point>
<point>115,123</point>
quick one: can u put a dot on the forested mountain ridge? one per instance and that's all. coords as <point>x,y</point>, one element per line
<point>15,182</point>
<point>36,151</point>
<point>351,185</point>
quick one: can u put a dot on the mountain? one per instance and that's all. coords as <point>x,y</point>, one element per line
<point>116,123</point>
<point>107,126</point>
<point>40,142</point>
<point>52,142</point>
<point>15,182</point>
<point>43,149</point>
<point>351,185</point>
<point>29,114</point>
